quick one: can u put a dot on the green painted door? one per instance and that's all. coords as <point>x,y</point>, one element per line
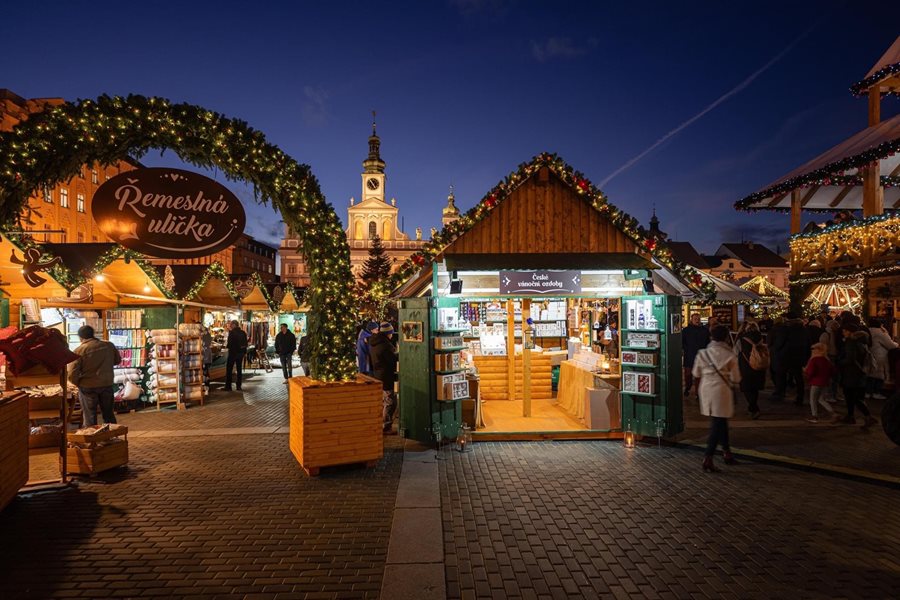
<point>415,371</point>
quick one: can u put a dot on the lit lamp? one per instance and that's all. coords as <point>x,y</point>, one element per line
<point>99,277</point>
<point>464,439</point>
<point>629,437</point>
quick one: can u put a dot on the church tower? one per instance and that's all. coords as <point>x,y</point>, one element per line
<point>450,212</point>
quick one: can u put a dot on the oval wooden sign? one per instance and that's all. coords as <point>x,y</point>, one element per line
<point>168,213</point>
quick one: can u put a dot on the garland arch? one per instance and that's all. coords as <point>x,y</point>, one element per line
<point>50,147</point>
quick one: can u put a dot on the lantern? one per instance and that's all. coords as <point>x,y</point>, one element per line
<point>464,439</point>
<point>629,437</point>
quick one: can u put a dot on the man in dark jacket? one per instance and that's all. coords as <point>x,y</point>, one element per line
<point>304,351</point>
<point>790,351</point>
<point>285,344</point>
<point>694,338</point>
<point>851,366</point>
<point>237,350</point>
<point>384,368</point>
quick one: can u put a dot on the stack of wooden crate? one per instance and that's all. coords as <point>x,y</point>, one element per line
<point>13,445</point>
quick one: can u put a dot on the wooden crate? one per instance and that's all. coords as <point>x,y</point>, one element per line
<point>335,423</point>
<point>90,461</point>
<point>96,458</point>
<point>13,446</point>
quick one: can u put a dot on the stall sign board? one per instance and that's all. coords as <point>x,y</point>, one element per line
<point>168,213</point>
<point>527,283</point>
<point>724,316</point>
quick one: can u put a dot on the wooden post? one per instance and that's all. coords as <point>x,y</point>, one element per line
<point>526,361</point>
<point>873,198</point>
<point>511,349</point>
<point>874,105</point>
<point>796,212</point>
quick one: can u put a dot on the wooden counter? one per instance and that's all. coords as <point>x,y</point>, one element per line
<point>13,445</point>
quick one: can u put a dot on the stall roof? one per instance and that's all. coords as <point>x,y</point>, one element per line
<point>831,181</point>
<point>214,291</point>
<point>729,292</point>
<point>586,260</point>
<point>883,72</point>
<point>763,287</point>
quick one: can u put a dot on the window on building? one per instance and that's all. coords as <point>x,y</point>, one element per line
<point>373,229</point>
<point>64,198</point>
<point>79,202</point>
<point>48,194</point>
<point>80,238</point>
<point>292,270</point>
<point>94,238</point>
<point>95,176</point>
<point>731,265</point>
<point>81,173</point>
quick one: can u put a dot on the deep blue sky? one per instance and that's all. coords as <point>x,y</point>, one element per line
<point>467,89</point>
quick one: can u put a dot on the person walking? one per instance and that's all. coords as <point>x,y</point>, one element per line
<point>237,351</point>
<point>819,372</point>
<point>694,338</point>
<point>752,379</point>
<point>384,368</point>
<point>285,344</point>
<point>304,351</point>
<point>831,337</point>
<point>881,345</point>
<point>790,351</point>
<point>93,374</point>
<point>363,360</point>
<point>717,368</point>
<point>853,374</point>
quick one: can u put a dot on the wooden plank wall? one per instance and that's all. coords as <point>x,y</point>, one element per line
<point>493,371</point>
<point>543,217</point>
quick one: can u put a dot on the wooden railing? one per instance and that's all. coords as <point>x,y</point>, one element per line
<point>860,245</point>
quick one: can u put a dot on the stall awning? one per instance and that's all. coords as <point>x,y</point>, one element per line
<point>729,292</point>
<point>584,261</point>
<point>831,181</point>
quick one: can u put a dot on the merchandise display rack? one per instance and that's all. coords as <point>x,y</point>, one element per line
<point>124,330</point>
<point>166,366</point>
<point>190,350</point>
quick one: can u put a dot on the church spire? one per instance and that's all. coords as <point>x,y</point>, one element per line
<point>374,164</point>
<point>450,213</point>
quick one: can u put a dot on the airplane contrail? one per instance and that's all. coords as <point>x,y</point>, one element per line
<point>716,103</point>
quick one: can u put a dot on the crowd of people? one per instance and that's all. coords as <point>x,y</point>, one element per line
<point>839,359</point>
<point>377,356</point>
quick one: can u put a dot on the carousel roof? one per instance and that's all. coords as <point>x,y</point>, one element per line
<point>883,72</point>
<point>832,181</point>
<point>761,286</point>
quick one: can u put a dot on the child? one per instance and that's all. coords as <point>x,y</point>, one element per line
<point>819,371</point>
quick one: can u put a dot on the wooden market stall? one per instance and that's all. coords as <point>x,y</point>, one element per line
<point>857,256</point>
<point>543,314</point>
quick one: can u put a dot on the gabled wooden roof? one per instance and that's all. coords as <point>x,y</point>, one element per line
<point>883,74</point>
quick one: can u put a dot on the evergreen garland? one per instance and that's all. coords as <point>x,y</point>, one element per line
<point>51,147</point>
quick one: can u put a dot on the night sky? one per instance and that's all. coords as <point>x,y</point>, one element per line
<point>466,90</point>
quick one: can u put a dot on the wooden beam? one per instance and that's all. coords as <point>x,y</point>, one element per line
<point>796,212</point>
<point>874,105</point>
<point>809,195</point>
<point>873,199</point>
<point>895,172</point>
<point>841,195</point>
<point>776,200</point>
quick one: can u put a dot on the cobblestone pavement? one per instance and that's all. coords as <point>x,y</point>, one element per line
<point>227,516</point>
<point>783,430</point>
<point>588,520</point>
<point>263,403</point>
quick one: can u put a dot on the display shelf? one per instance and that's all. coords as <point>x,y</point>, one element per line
<point>451,349</point>
<point>450,371</point>
<point>639,348</point>
<point>452,399</point>
<point>638,394</point>
<point>645,330</point>
<point>638,366</point>
<point>456,330</point>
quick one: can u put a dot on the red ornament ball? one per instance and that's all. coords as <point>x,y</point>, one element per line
<point>583,184</point>
<point>651,244</point>
<point>697,279</point>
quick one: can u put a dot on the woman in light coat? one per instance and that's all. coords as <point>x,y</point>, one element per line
<point>717,368</point>
<point>881,344</point>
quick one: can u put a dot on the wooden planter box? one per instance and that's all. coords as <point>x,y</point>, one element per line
<point>335,423</point>
<point>13,446</point>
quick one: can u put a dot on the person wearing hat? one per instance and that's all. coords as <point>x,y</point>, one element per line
<point>384,368</point>
<point>363,360</point>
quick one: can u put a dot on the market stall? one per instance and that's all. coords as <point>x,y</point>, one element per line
<point>543,313</point>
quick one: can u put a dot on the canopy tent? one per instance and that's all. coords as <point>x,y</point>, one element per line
<point>832,181</point>
<point>764,288</point>
<point>206,284</point>
<point>727,292</point>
